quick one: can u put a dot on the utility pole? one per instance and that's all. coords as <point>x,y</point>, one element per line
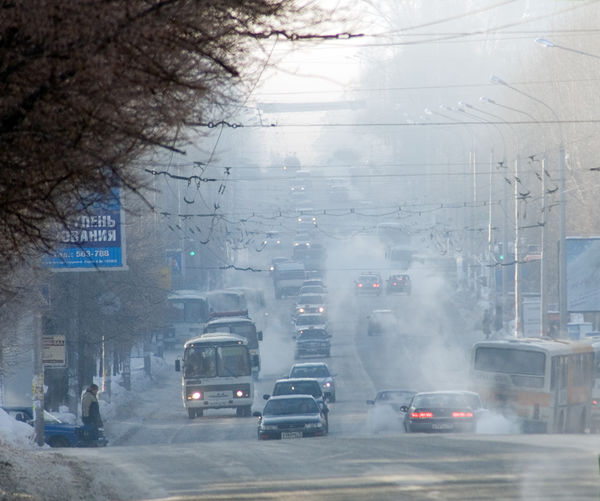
<point>38,380</point>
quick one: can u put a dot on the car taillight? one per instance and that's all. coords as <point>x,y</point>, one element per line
<point>594,403</point>
<point>375,285</point>
<point>395,283</point>
<point>421,415</point>
<point>359,285</point>
<point>462,414</point>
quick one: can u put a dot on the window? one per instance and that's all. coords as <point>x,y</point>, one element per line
<point>510,361</point>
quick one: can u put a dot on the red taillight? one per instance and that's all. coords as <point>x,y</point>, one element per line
<point>421,415</point>
<point>375,285</point>
<point>462,414</point>
<point>359,285</point>
<point>395,283</point>
<point>594,402</point>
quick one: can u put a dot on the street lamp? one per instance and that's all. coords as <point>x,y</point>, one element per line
<point>562,258</point>
<point>551,45</point>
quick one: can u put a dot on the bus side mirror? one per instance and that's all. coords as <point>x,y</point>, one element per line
<point>259,334</point>
<point>255,361</point>
<point>177,365</point>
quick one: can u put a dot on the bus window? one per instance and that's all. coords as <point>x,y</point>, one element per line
<point>200,361</point>
<point>233,361</point>
<point>530,363</point>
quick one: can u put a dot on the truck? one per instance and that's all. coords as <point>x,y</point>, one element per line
<point>288,277</point>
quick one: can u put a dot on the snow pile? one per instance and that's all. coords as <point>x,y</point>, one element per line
<point>15,433</point>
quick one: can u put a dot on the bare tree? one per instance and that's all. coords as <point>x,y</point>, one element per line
<point>88,88</point>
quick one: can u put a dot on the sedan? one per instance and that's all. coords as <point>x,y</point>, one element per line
<point>440,411</point>
<point>320,372</point>
<point>58,433</point>
<point>291,416</point>
<point>312,342</point>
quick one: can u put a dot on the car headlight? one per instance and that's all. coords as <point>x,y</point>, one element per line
<point>313,425</point>
<point>268,427</point>
<point>327,385</point>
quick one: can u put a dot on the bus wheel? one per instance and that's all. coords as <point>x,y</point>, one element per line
<point>199,412</point>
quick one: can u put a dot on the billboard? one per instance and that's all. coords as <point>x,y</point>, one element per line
<point>95,239</point>
<point>583,274</point>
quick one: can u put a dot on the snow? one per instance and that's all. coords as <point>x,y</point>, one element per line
<point>30,472</point>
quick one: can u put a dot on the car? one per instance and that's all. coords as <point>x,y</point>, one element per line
<point>319,371</point>
<point>310,303</point>
<point>312,289</point>
<point>385,409</point>
<point>291,416</point>
<point>306,320</point>
<point>314,281</point>
<point>313,342</point>
<point>440,411</point>
<point>394,399</point>
<point>381,321</point>
<point>58,433</point>
<point>368,283</point>
<point>398,284</point>
<point>275,261</point>
<point>301,386</point>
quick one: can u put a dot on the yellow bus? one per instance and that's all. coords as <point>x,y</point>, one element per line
<point>545,384</point>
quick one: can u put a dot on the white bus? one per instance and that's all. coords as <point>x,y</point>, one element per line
<point>216,374</point>
<point>546,384</point>
<point>186,317</point>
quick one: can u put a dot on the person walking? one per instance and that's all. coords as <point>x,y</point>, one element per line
<point>90,411</point>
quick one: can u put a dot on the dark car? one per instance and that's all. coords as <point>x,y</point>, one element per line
<point>58,433</point>
<point>312,342</point>
<point>440,411</point>
<point>301,386</point>
<point>320,372</point>
<point>291,416</point>
<point>368,283</point>
<point>381,322</point>
<point>398,284</point>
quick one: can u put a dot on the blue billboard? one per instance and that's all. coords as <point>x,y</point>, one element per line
<point>583,274</point>
<point>95,239</point>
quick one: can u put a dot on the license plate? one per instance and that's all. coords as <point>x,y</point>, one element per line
<point>219,394</point>
<point>442,426</point>
<point>291,434</point>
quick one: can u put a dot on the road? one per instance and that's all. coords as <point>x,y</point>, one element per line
<point>170,456</point>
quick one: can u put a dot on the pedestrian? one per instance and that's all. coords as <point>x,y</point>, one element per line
<point>90,411</point>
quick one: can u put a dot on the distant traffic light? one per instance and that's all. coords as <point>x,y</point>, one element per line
<point>192,253</point>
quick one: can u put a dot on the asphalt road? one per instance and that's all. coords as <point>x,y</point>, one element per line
<point>167,455</point>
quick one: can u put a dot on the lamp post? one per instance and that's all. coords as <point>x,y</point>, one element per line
<point>562,257</point>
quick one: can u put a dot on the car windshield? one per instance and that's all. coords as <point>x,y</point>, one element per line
<point>298,387</point>
<point>309,320</point>
<point>310,299</point>
<point>310,371</point>
<point>430,401</point>
<point>289,406</point>
<point>313,334</point>
<point>394,396</point>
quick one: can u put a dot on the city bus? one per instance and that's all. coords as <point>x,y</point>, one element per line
<point>216,374</point>
<point>545,384</point>
<point>186,316</point>
<point>242,326</point>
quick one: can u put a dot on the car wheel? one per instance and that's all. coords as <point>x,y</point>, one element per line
<point>59,441</point>
<point>191,413</point>
<point>332,397</point>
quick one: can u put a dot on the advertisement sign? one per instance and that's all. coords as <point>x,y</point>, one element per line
<point>583,274</point>
<point>53,351</point>
<point>95,239</point>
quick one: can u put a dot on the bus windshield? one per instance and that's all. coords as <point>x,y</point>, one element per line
<point>510,361</point>
<point>187,310</point>
<point>214,361</point>
<point>226,301</point>
<point>246,330</point>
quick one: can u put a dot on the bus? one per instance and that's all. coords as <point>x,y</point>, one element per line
<point>545,383</point>
<point>242,326</point>
<point>226,301</point>
<point>186,316</point>
<point>216,374</point>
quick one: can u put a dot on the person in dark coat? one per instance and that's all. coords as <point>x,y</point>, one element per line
<point>90,411</point>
